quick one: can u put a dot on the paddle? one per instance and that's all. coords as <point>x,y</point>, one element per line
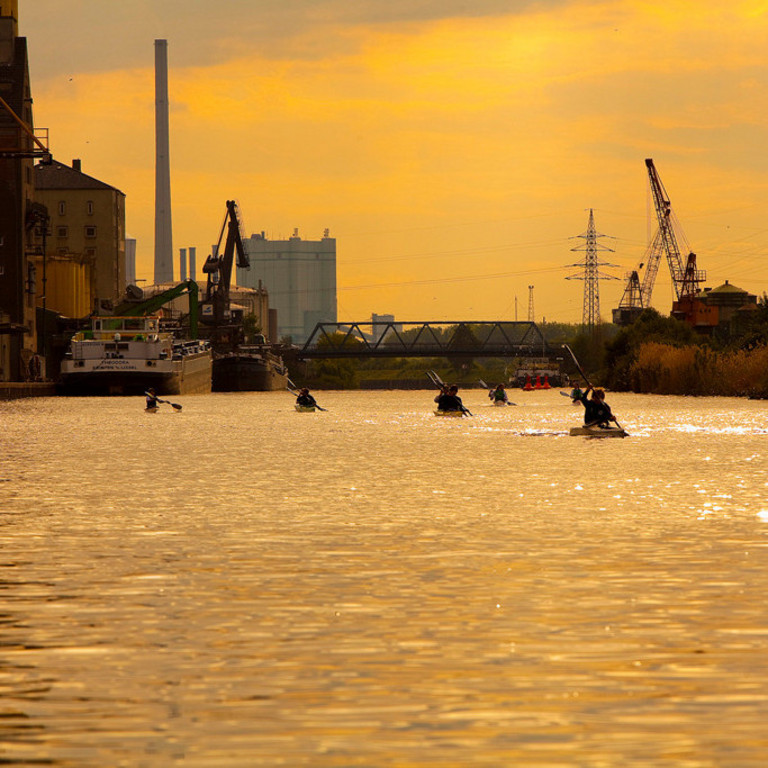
<point>175,406</point>
<point>589,383</point>
<point>440,384</point>
<point>293,389</point>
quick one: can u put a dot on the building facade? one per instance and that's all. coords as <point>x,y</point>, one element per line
<point>86,239</point>
<point>724,311</point>
<point>18,148</point>
<point>300,276</point>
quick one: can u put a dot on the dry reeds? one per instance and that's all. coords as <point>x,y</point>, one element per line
<point>667,370</point>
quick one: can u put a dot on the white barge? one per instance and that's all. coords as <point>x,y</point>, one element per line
<point>127,355</point>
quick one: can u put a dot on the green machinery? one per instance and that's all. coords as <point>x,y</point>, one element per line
<point>147,306</point>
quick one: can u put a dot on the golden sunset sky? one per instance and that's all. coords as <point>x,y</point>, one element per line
<point>453,147</point>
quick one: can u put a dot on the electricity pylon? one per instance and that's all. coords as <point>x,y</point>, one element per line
<point>591,275</point>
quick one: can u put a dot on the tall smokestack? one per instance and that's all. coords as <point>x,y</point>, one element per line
<point>193,263</point>
<point>130,261</point>
<point>182,264</point>
<point>163,231</point>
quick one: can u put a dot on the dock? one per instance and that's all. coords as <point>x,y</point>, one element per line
<point>15,390</point>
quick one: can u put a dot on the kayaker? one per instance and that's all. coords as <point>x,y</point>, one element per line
<point>450,400</point>
<point>596,411</point>
<point>443,391</point>
<point>499,394</point>
<point>305,398</point>
<point>151,398</point>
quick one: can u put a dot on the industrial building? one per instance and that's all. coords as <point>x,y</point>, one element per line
<point>85,244</point>
<point>19,216</point>
<point>300,276</point>
<point>723,311</point>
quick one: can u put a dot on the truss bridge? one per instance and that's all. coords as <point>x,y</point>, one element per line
<point>438,338</point>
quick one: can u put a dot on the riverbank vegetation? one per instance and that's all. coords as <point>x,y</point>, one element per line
<point>661,355</point>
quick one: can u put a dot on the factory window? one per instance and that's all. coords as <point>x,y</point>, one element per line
<point>61,231</point>
<point>62,251</point>
<point>90,252</point>
<point>90,231</point>
<point>89,206</point>
<point>62,208</point>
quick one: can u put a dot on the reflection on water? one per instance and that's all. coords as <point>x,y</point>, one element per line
<point>240,584</point>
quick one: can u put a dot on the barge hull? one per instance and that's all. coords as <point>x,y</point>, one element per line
<point>243,374</point>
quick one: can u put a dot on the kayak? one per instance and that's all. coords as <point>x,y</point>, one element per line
<point>305,408</point>
<point>454,414</point>
<point>151,410</point>
<point>597,432</point>
<point>501,403</point>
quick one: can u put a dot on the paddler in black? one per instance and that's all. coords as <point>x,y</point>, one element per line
<point>305,398</point>
<point>596,410</point>
<point>443,391</point>
<point>450,400</point>
<point>151,398</point>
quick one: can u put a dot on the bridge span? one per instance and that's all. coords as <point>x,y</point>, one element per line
<point>434,338</point>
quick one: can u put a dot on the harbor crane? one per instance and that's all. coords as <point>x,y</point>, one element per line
<point>135,305</point>
<point>685,278</point>
<point>219,268</point>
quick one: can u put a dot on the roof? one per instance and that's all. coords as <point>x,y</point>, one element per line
<point>56,175</point>
<point>726,287</point>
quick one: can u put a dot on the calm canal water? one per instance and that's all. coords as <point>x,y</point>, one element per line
<point>239,584</point>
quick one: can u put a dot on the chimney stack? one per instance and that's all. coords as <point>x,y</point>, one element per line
<point>163,231</point>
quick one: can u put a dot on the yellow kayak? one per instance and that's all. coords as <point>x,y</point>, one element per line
<point>597,432</point>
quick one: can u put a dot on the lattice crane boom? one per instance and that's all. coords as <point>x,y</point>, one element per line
<point>685,279</point>
<point>652,260</point>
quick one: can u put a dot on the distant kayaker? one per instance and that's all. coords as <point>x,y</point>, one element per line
<point>152,400</point>
<point>596,411</point>
<point>450,400</point>
<point>499,394</point>
<point>305,398</point>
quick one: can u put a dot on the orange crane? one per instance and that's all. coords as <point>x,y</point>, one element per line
<point>685,278</point>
